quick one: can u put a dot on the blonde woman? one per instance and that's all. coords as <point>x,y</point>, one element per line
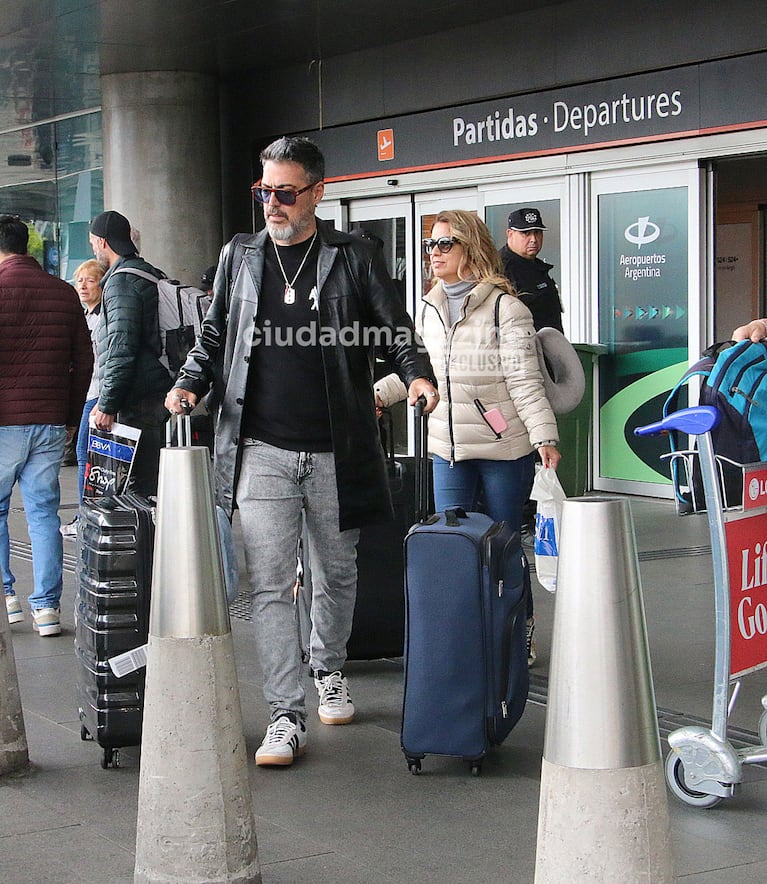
<point>86,281</point>
<point>493,414</point>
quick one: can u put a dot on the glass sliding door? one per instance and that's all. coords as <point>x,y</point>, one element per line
<point>550,197</point>
<point>647,230</point>
<point>388,223</point>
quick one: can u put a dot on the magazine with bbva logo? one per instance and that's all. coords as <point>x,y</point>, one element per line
<point>110,459</point>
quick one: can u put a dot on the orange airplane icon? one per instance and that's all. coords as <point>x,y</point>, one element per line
<point>385,144</point>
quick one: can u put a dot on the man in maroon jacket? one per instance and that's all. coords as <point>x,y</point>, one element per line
<point>46,362</point>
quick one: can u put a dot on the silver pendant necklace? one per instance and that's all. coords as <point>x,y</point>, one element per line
<point>290,293</point>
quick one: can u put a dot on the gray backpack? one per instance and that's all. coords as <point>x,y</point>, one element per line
<point>180,311</point>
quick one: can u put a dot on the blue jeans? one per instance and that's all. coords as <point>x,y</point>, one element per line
<point>31,455</point>
<point>277,491</point>
<point>502,486</point>
<point>82,444</point>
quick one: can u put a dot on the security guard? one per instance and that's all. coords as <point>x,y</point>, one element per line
<point>527,272</point>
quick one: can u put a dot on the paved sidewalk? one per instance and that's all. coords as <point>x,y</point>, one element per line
<point>349,812</point>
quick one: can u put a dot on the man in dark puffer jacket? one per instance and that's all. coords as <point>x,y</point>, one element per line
<point>45,368</point>
<point>132,380</point>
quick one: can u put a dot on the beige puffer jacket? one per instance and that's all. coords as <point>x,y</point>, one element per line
<point>469,364</point>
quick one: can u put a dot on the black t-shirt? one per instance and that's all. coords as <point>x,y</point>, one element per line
<point>286,401</point>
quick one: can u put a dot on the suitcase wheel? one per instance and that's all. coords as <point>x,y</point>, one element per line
<point>476,768</point>
<point>413,765</point>
<point>110,758</point>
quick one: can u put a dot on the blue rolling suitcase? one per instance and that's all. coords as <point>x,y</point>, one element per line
<point>466,676</point>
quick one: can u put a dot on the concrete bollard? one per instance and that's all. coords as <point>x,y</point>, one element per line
<point>14,754</point>
<point>195,809</point>
<point>603,813</point>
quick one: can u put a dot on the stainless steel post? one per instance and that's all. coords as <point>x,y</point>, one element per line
<point>603,805</point>
<point>195,816</point>
<point>14,754</point>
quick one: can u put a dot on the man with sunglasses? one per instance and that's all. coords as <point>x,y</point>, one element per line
<point>527,272</point>
<point>287,344</point>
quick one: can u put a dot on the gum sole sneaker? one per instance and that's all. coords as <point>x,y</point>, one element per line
<point>336,705</point>
<point>13,607</point>
<point>47,621</point>
<point>285,740</point>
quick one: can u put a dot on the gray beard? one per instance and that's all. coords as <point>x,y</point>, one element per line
<point>287,233</point>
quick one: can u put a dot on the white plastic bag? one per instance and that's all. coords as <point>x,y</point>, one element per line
<point>549,494</point>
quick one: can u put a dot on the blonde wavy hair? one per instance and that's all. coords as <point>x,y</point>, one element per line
<point>479,259</point>
<point>86,267</point>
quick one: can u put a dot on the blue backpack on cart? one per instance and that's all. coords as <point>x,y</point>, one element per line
<point>734,380</point>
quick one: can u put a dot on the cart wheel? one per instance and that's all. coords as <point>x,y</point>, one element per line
<point>84,735</point>
<point>763,729</point>
<point>677,784</point>
<point>414,766</point>
<point>476,768</point>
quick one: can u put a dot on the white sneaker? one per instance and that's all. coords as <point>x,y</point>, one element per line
<point>336,705</point>
<point>13,607</point>
<point>47,621</point>
<point>69,531</point>
<point>285,740</point>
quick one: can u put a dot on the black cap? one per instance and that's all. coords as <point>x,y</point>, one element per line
<point>526,219</point>
<point>115,229</point>
<point>208,276</point>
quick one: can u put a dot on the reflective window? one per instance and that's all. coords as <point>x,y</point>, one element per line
<point>53,179</point>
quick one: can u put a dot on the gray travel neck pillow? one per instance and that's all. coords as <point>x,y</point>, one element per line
<point>563,377</point>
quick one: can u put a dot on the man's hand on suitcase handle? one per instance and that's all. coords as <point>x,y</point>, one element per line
<point>423,388</point>
<point>180,401</point>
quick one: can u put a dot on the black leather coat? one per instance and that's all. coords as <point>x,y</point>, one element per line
<point>355,294</point>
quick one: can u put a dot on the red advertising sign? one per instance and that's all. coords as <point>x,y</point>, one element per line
<point>754,486</point>
<point>747,566</point>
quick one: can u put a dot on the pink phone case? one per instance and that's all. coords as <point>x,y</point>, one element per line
<point>495,420</point>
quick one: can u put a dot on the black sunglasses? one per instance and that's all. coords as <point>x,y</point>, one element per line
<point>444,244</point>
<point>284,197</point>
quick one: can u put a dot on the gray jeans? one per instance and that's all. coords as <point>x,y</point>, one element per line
<point>277,491</point>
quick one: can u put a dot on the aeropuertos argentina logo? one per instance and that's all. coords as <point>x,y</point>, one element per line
<point>642,232</point>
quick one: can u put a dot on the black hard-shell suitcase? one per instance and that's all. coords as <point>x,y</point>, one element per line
<point>379,615</point>
<point>466,675</point>
<point>114,576</point>
<point>378,628</point>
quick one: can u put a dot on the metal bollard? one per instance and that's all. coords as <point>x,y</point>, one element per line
<point>14,754</point>
<point>603,812</point>
<point>195,813</point>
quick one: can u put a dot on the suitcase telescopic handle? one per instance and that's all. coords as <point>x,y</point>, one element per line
<point>421,460</point>
<point>183,424</point>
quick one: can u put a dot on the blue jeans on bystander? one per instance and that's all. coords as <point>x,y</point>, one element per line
<point>82,444</point>
<point>31,455</point>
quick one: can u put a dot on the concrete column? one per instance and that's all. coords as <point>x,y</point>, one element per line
<point>162,166</point>
<point>14,754</point>
<point>603,813</point>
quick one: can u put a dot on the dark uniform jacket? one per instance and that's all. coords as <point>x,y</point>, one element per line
<point>128,339</point>
<point>46,359</point>
<point>356,293</point>
<point>536,289</point>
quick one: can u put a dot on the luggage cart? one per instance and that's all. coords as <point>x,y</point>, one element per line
<point>703,767</point>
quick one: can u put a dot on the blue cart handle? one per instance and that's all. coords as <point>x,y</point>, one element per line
<point>694,421</point>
